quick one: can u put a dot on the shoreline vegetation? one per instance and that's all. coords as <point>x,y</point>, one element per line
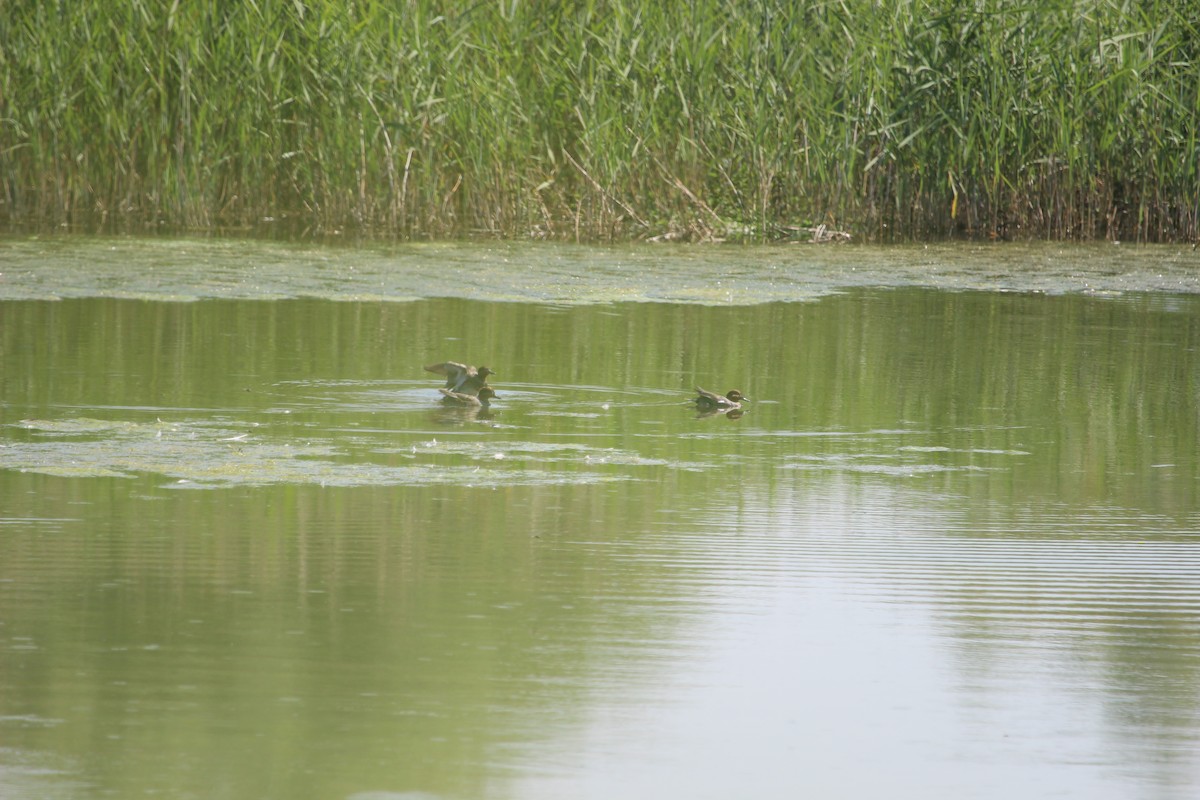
<point>710,120</point>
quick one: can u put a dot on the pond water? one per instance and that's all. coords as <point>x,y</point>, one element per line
<point>951,548</point>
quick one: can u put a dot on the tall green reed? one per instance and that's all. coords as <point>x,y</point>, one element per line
<point>606,119</point>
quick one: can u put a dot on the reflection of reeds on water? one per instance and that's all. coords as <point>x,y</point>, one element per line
<point>777,120</point>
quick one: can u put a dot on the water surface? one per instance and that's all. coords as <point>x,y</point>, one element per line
<point>949,549</point>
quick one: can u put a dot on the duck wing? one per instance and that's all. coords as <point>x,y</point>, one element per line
<point>456,374</point>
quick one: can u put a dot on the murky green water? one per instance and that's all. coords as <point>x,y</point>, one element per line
<point>951,549</point>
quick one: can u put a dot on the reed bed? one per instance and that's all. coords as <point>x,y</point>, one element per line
<point>892,119</point>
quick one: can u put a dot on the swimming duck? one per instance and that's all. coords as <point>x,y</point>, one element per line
<point>460,377</point>
<point>710,400</point>
<point>479,400</point>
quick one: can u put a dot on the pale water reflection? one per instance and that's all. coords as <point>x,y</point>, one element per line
<point>870,640</point>
<point>950,550</point>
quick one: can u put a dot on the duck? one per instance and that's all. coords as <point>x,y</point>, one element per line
<point>460,377</point>
<point>480,399</point>
<point>710,400</point>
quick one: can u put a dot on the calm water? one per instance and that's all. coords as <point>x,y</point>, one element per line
<point>951,549</point>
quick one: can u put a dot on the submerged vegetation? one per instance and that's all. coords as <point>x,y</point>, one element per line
<point>597,120</point>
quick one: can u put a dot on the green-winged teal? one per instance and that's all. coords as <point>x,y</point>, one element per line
<point>480,399</point>
<point>711,400</point>
<point>460,377</point>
